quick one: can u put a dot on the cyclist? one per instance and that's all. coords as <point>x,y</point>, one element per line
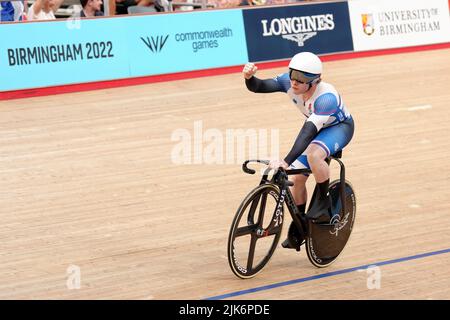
<point>328,129</point>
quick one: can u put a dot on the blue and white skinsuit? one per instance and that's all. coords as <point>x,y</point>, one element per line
<point>333,125</point>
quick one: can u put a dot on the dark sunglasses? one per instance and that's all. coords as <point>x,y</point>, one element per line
<point>302,77</point>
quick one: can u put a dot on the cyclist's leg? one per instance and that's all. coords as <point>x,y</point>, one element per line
<point>300,195</point>
<point>329,141</point>
<point>333,139</point>
<point>298,190</point>
<point>316,159</point>
<point>321,172</point>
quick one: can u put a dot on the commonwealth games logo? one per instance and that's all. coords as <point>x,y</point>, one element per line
<point>368,25</point>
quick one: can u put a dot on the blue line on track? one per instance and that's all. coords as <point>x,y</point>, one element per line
<point>325,275</point>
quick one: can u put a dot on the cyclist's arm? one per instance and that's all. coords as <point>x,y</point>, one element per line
<point>280,83</point>
<point>257,85</point>
<point>324,107</point>
<point>304,138</point>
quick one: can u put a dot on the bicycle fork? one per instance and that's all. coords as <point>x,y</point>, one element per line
<point>278,215</point>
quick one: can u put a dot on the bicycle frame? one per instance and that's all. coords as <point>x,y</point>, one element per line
<point>280,178</point>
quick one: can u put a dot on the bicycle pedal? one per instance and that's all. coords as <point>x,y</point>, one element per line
<point>286,244</point>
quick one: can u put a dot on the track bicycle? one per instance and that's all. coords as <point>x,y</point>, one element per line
<point>253,238</point>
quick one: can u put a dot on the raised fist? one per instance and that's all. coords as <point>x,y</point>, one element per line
<point>249,70</point>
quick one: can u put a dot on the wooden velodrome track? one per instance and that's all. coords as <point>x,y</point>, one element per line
<point>87,179</point>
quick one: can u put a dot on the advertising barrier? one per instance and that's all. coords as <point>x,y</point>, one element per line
<point>49,53</point>
<point>381,24</point>
<point>281,32</point>
<point>76,51</point>
<point>183,42</point>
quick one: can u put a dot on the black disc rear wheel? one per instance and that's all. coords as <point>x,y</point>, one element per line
<point>326,241</point>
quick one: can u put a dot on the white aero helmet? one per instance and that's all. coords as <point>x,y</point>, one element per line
<point>308,63</point>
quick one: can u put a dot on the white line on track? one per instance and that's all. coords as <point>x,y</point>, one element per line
<point>417,108</point>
